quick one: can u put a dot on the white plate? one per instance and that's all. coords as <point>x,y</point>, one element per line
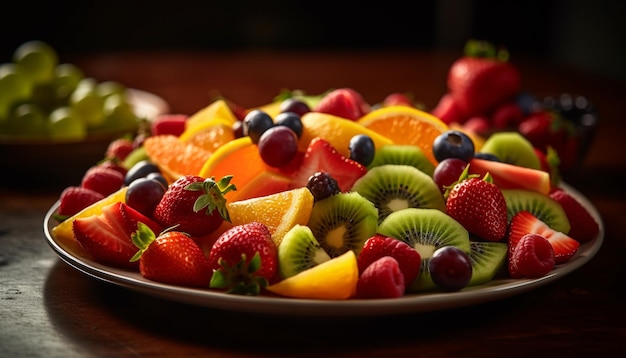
<point>411,303</point>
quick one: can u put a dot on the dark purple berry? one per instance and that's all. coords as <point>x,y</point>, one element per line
<point>291,120</point>
<point>362,149</point>
<point>294,105</point>
<point>322,185</point>
<point>453,144</point>
<point>256,123</point>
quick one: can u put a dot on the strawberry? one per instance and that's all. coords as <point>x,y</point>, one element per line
<point>533,257</point>
<point>102,179</point>
<point>74,199</point>
<point>244,259</point>
<point>194,204</point>
<point>119,149</point>
<point>524,223</point>
<point>321,156</point>
<point>107,237</point>
<point>381,279</point>
<point>379,245</point>
<point>398,99</point>
<point>478,205</point>
<point>343,102</point>
<point>479,81</point>
<point>448,110</point>
<point>507,115</point>
<point>172,257</point>
<point>173,124</point>
<point>583,226</point>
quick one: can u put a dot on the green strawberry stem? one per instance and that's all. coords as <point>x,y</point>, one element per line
<point>466,175</point>
<point>239,278</point>
<point>213,197</point>
<point>485,49</point>
<point>142,238</point>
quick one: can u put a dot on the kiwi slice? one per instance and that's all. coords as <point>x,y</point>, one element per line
<point>393,187</point>
<point>541,206</point>
<point>404,155</point>
<point>298,251</point>
<point>343,222</point>
<point>512,148</point>
<point>488,259</point>
<point>426,230</point>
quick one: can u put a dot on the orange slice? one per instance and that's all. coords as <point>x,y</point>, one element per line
<point>174,157</point>
<point>337,131</point>
<point>209,135</point>
<point>334,279</point>
<point>280,211</point>
<point>406,125</point>
<point>217,109</point>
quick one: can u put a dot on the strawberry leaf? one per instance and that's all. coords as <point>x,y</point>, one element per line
<point>142,238</point>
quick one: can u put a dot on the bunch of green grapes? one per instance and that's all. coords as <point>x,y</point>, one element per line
<point>42,98</point>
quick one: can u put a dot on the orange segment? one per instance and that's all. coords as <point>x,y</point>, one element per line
<point>334,279</point>
<point>406,125</point>
<point>175,157</point>
<point>209,135</point>
<point>336,130</point>
<point>217,109</point>
<point>280,211</point>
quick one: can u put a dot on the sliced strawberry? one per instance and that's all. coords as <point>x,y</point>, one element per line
<point>321,156</point>
<point>343,102</point>
<point>380,245</point>
<point>102,179</point>
<point>173,124</point>
<point>381,279</point>
<point>74,199</point>
<point>583,226</point>
<point>533,257</point>
<point>509,176</point>
<point>524,223</point>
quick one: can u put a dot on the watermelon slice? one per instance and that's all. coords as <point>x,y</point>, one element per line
<point>510,176</point>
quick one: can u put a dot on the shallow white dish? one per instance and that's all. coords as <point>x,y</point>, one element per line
<point>412,303</point>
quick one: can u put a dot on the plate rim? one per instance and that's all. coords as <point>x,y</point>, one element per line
<point>281,306</point>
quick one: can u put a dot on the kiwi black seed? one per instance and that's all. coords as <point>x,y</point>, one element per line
<point>541,206</point>
<point>393,187</point>
<point>488,259</point>
<point>343,222</point>
<point>298,251</point>
<point>404,155</point>
<point>512,148</point>
<point>425,230</point>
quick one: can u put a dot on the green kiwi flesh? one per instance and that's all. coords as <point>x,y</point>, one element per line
<point>298,251</point>
<point>425,230</point>
<point>541,206</point>
<point>404,155</point>
<point>488,259</point>
<point>512,148</point>
<point>343,222</point>
<point>393,187</point>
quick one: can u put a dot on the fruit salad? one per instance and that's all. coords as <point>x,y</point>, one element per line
<point>326,197</point>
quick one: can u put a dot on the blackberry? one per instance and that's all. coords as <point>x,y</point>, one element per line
<point>322,185</point>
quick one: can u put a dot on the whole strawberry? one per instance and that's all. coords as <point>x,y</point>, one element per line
<point>244,259</point>
<point>173,258</point>
<point>482,79</point>
<point>194,204</point>
<point>479,206</point>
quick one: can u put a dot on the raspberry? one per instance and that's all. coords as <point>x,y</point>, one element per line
<point>379,245</point>
<point>322,185</point>
<point>532,257</point>
<point>103,180</point>
<point>119,149</point>
<point>381,279</point>
<point>74,199</point>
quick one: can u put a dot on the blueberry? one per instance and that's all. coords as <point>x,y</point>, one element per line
<point>291,120</point>
<point>255,123</point>
<point>453,144</point>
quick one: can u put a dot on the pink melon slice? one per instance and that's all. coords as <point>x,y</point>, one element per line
<point>509,176</point>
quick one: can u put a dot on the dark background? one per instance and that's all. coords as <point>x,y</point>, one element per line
<point>581,33</point>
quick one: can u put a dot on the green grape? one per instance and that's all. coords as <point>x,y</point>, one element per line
<point>65,81</point>
<point>109,88</point>
<point>13,88</point>
<point>87,105</point>
<point>64,125</point>
<point>36,60</point>
<point>28,120</point>
<point>119,115</point>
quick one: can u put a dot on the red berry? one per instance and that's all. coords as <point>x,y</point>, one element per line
<point>74,199</point>
<point>532,257</point>
<point>379,246</point>
<point>381,279</point>
<point>119,149</point>
<point>103,180</point>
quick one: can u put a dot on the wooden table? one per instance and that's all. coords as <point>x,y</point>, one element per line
<point>48,308</point>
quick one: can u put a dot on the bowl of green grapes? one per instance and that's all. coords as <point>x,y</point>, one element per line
<point>56,121</point>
